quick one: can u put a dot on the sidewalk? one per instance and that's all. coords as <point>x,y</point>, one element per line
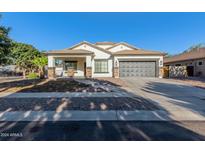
<point>138,113</point>
<point>111,115</point>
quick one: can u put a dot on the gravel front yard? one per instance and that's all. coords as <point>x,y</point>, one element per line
<point>39,85</point>
<point>75,103</point>
<point>112,81</point>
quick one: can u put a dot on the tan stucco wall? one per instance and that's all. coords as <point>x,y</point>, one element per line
<point>51,72</point>
<point>98,55</point>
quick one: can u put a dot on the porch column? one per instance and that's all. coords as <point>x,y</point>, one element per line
<point>161,69</point>
<point>88,66</point>
<point>51,67</point>
<point>116,68</point>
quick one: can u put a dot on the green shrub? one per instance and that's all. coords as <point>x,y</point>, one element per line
<point>32,76</point>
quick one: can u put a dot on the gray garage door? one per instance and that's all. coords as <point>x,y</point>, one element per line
<point>137,69</point>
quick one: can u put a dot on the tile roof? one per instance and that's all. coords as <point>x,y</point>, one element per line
<point>196,53</point>
<point>135,51</point>
<point>138,52</point>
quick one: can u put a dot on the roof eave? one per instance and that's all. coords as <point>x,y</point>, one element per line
<point>67,53</point>
<point>183,60</point>
<point>138,54</point>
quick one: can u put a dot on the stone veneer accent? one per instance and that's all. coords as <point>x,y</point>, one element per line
<point>161,72</point>
<point>88,72</point>
<point>51,72</point>
<point>116,72</point>
<point>165,71</point>
<point>71,72</point>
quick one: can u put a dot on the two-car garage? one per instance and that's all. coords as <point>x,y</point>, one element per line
<point>138,63</point>
<point>137,68</point>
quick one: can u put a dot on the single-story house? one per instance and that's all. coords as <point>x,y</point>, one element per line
<point>104,59</point>
<point>193,60</point>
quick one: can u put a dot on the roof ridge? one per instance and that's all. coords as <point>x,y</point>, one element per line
<point>124,43</point>
<point>190,51</point>
<point>91,44</point>
<point>105,42</point>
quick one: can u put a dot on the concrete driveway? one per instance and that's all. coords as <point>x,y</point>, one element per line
<point>180,101</point>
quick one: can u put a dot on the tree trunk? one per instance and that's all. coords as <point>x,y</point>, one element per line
<point>24,73</point>
<point>41,73</point>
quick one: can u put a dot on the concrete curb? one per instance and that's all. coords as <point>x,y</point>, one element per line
<point>55,116</point>
<point>75,115</point>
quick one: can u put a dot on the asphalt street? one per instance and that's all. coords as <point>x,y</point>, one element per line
<point>102,131</point>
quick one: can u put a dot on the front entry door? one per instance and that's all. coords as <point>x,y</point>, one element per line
<point>190,70</point>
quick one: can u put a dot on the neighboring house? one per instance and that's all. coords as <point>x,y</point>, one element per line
<point>10,70</point>
<point>193,60</point>
<point>104,59</point>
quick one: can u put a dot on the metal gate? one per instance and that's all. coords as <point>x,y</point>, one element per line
<point>137,69</point>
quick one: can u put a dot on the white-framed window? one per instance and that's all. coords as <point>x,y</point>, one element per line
<point>58,62</point>
<point>101,66</point>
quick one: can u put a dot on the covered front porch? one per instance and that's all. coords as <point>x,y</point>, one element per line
<point>72,66</point>
<point>69,66</point>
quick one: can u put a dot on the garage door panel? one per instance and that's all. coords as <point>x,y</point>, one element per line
<point>137,69</point>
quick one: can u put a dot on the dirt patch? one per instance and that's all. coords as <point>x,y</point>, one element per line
<point>111,81</point>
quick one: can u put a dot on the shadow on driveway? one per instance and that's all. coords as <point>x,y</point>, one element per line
<point>187,97</point>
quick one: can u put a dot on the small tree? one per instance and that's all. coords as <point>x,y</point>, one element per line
<point>167,55</point>
<point>5,43</point>
<point>23,56</point>
<point>40,62</point>
<point>193,47</point>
